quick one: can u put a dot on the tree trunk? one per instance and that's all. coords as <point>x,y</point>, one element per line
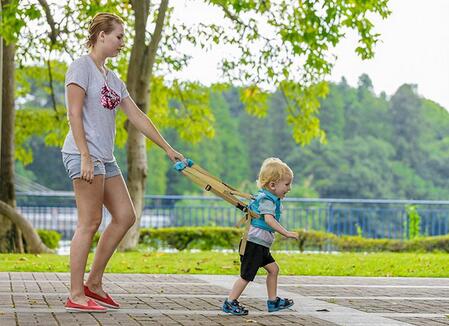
<point>137,174</point>
<point>14,228</point>
<point>34,242</point>
<point>10,235</point>
<point>140,71</point>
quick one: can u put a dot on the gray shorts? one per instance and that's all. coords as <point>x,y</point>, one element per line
<point>72,164</point>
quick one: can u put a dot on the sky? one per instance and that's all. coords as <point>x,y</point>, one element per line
<point>414,48</point>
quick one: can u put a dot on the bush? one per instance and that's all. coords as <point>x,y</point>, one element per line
<point>50,238</point>
<point>428,244</point>
<point>95,240</point>
<point>357,243</point>
<point>207,238</point>
<point>204,238</point>
<point>311,240</point>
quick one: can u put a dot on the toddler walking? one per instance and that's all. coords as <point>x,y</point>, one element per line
<point>274,182</point>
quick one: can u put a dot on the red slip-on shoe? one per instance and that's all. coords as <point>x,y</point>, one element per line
<point>105,302</point>
<point>91,306</point>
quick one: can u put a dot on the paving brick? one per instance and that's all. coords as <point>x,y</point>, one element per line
<point>38,299</point>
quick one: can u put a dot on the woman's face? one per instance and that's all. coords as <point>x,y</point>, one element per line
<point>113,42</point>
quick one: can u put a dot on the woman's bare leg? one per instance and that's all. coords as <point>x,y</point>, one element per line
<point>89,203</point>
<point>119,204</point>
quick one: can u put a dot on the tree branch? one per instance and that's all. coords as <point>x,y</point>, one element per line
<point>183,101</point>
<point>231,16</point>
<point>52,90</point>
<point>54,32</point>
<point>286,100</point>
<point>51,22</point>
<point>141,15</point>
<point>150,51</point>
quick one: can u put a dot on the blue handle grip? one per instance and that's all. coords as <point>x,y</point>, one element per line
<point>181,165</point>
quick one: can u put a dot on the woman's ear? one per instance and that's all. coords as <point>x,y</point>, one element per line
<point>101,36</point>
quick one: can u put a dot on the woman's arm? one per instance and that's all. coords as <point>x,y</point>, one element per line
<point>271,221</point>
<point>75,100</point>
<point>143,123</point>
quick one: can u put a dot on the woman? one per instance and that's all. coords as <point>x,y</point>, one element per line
<point>93,94</point>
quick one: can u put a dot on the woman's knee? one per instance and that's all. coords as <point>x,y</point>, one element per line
<point>126,220</point>
<point>89,228</point>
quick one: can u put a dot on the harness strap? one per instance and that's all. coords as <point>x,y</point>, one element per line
<point>247,218</point>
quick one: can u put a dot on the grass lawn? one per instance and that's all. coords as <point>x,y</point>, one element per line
<point>208,262</point>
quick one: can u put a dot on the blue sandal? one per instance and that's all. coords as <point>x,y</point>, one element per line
<point>279,304</point>
<point>234,307</point>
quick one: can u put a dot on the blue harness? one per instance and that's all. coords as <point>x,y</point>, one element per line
<point>254,206</point>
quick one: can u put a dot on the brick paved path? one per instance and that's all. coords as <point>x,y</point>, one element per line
<point>37,299</point>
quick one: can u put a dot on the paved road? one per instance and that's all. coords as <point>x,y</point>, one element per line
<point>37,299</point>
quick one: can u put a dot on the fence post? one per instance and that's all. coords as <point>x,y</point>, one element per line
<point>329,224</point>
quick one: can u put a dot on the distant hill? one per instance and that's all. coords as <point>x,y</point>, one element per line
<point>378,147</point>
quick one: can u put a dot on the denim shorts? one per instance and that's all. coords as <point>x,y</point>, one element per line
<point>72,164</point>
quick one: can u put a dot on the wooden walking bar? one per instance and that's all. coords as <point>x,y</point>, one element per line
<point>211,183</point>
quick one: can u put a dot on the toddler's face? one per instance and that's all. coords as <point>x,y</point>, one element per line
<point>282,187</point>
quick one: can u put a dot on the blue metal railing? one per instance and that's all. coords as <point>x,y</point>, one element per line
<point>369,218</point>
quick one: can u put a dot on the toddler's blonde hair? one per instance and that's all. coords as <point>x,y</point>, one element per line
<point>272,170</point>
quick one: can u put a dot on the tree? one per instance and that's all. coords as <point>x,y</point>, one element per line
<point>10,234</point>
<point>294,58</point>
<point>14,227</point>
<point>406,117</point>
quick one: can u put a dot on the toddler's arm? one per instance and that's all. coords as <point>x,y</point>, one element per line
<point>271,221</point>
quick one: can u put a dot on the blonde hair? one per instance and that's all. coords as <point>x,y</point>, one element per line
<point>272,170</point>
<point>102,21</point>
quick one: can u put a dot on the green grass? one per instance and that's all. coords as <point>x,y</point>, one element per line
<point>206,262</point>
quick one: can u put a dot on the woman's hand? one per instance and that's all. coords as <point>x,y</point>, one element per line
<point>87,168</point>
<point>292,235</point>
<point>175,156</point>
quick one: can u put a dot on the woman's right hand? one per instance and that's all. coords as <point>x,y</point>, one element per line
<point>87,168</point>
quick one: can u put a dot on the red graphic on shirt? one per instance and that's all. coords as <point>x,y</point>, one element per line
<point>109,99</point>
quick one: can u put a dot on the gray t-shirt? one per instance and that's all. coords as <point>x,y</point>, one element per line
<point>258,235</point>
<point>98,121</point>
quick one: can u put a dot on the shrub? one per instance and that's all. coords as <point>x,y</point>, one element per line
<point>95,240</point>
<point>207,238</point>
<point>50,238</point>
<point>204,238</point>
